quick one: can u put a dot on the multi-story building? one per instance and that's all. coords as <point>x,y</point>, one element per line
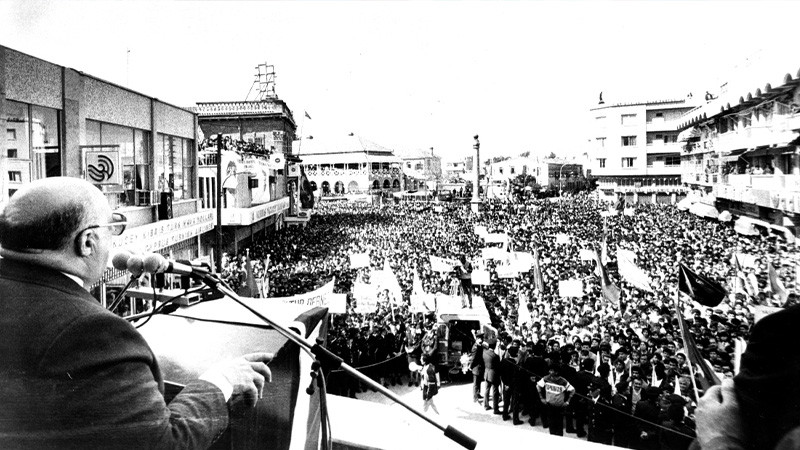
<point>258,137</point>
<point>741,148</point>
<point>635,149</point>
<point>140,151</point>
<point>349,164</point>
<point>421,170</point>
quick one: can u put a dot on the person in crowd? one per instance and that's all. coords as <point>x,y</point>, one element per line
<point>579,402</point>
<point>491,362</point>
<point>430,384</point>
<point>477,366</point>
<point>555,392</point>
<point>600,412</point>
<point>513,378</point>
<point>73,374</point>
<point>647,412</point>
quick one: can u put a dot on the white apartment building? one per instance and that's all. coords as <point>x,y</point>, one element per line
<point>635,149</point>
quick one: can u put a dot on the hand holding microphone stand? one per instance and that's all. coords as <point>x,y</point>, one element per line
<point>327,360</point>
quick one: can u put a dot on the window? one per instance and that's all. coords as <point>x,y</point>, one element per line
<point>500,169</point>
<point>627,162</point>
<point>418,166</point>
<point>628,141</point>
<point>15,176</point>
<point>601,141</point>
<point>601,162</point>
<point>11,153</point>
<point>134,149</point>
<point>11,192</point>
<point>11,134</point>
<point>628,119</point>
<point>660,115</point>
<point>34,131</point>
<point>670,138</point>
<point>511,169</point>
<point>174,166</point>
<point>672,161</point>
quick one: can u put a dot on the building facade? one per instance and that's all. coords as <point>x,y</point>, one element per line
<point>256,138</point>
<point>741,150</point>
<point>421,170</point>
<point>635,149</point>
<point>349,164</point>
<point>140,151</point>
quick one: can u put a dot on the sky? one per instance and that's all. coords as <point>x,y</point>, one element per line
<point>414,75</point>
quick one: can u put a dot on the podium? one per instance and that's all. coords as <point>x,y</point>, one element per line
<point>187,342</point>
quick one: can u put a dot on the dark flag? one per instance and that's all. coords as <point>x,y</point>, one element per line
<point>706,377</point>
<point>610,290</point>
<point>701,289</point>
<point>306,191</point>
<point>537,272</point>
<point>620,204</point>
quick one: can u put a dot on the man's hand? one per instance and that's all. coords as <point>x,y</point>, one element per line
<point>242,379</point>
<point>718,421</point>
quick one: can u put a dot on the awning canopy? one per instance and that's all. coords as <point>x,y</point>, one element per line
<point>689,134</point>
<point>747,226</point>
<point>733,155</point>
<point>685,204</point>
<point>704,210</point>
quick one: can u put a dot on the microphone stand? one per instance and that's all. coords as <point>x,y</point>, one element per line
<point>329,361</point>
<point>119,296</point>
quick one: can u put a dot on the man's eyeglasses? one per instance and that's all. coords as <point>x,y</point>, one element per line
<point>117,224</point>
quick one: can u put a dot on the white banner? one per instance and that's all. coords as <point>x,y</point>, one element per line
<point>359,260</point>
<point>587,255</point>
<point>506,271</point>
<point>318,297</point>
<point>494,253</point>
<point>481,277</point>
<point>481,230</point>
<point>496,238</point>
<point>365,297</point>
<point>442,264</point>
<point>570,288</point>
<point>337,303</point>
<point>562,238</point>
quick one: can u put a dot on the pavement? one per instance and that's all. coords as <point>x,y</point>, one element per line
<point>384,424</point>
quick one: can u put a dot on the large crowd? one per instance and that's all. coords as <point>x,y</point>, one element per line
<point>622,365</point>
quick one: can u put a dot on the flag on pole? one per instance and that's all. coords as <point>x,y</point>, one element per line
<point>307,116</point>
<point>537,272</point>
<point>707,377</point>
<point>654,381</point>
<point>265,279</point>
<point>420,301</point>
<point>701,289</point>
<point>776,285</point>
<point>610,290</point>
<point>631,272</point>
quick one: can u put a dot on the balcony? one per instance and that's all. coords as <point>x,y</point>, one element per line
<point>660,125</point>
<point>662,147</point>
<point>771,191</point>
<point>207,159</point>
<point>764,133</point>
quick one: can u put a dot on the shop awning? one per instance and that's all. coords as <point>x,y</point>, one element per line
<point>704,210</point>
<point>733,155</point>
<point>685,204</point>
<point>747,226</point>
<point>689,134</point>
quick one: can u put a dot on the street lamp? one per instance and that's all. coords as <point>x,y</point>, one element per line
<point>476,201</point>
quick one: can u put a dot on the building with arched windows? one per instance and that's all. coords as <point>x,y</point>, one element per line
<point>349,164</point>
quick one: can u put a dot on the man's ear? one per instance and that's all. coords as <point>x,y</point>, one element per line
<point>84,243</point>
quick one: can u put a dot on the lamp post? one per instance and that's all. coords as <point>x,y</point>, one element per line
<point>476,200</point>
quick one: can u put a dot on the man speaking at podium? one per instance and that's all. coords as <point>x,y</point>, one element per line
<point>73,375</point>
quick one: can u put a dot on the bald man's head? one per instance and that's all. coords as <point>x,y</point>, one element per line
<point>46,214</point>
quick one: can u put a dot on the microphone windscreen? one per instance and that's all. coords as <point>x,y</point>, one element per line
<point>120,260</point>
<point>135,265</point>
<point>154,263</point>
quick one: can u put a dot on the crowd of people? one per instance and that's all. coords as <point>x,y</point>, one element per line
<point>616,372</point>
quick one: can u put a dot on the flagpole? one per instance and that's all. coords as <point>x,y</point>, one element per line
<point>683,338</point>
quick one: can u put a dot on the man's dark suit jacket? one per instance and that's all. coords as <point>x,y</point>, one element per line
<point>73,375</point>
<point>492,363</point>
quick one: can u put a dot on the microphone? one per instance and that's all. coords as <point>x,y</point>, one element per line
<point>120,260</point>
<point>155,263</point>
<point>135,265</point>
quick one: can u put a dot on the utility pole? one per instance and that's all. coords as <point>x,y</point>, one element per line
<point>476,199</point>
<point>218,252</point>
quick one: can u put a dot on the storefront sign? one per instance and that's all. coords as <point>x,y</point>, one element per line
<point>155,236</point>
<point>249,216</point>
<point>103,167</point>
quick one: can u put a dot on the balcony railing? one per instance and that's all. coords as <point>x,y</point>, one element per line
<point>207,159</point>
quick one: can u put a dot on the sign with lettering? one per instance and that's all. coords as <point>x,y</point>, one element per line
<point>155,236</point>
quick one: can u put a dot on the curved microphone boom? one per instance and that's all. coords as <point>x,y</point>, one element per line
<point>155,263</point>
<point>124,260</point>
